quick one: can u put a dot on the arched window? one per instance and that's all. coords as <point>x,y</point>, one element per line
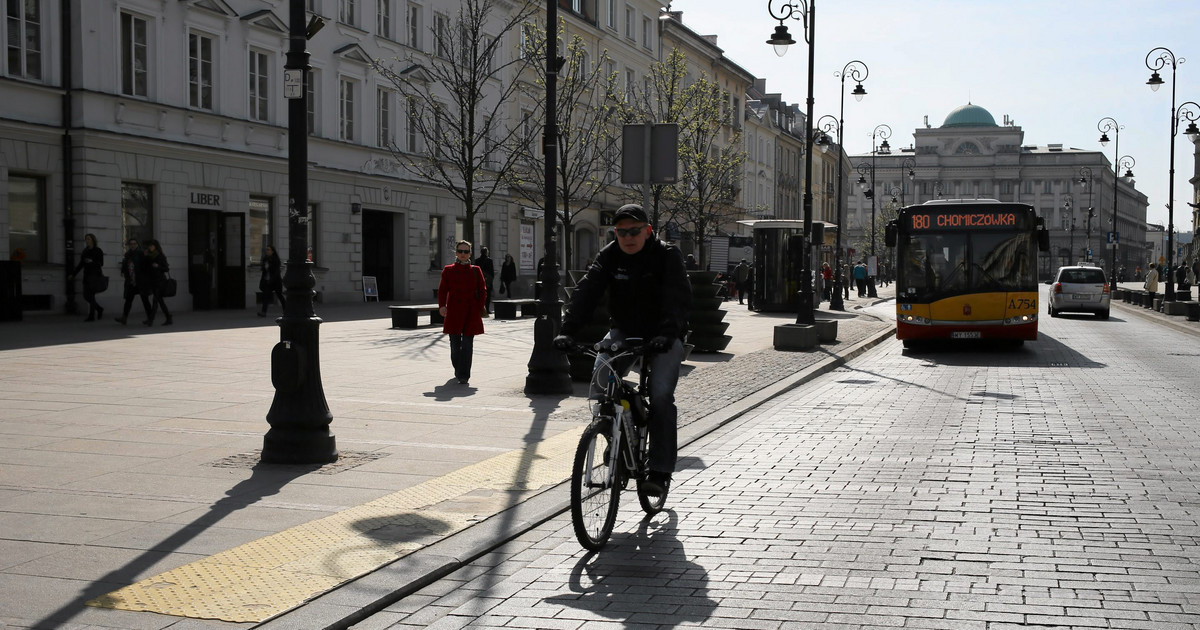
<point>967,148</point>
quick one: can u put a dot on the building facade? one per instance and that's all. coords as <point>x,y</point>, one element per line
<point>971,157</point>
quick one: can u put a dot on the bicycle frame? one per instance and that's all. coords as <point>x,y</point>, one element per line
<point>622,416</point>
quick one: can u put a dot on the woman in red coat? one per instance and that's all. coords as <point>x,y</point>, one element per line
<point>461,300</point>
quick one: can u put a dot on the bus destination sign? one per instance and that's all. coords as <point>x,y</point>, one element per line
<point>967,219</point>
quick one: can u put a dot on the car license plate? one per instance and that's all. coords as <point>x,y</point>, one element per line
<point>1082,296</point>
<point>965,334</point>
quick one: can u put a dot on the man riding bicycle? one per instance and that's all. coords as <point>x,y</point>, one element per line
<point>648,297</point>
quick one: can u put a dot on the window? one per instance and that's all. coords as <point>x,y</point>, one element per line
<point>629,28</point>
<point>260,77</point>
<point>414,26</point>
<point>348,12</point>
<point>483,238</point>
<point>647,30</point>
<point>411,144</point>
<point>441,35</point>
<point>630,84</point>
<point>313,6</point>
<point>310,101</point>
<point>134,55</point>
<point>1048,187</point>
<point>200,71</point>
<point>137,216</point>
<point>27,217</point>
<point>435,242</point>
<point>260,228</point>
<point>346,110</point>
<point>24,28</point>
<point>383,122</point>
<point>1027,187</point>
<point>383,19</point>
<point>489,48</point>
<point>612,14</point>
<point>527,41</point>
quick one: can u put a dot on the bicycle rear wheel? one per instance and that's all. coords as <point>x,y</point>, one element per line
<point>595,492</point>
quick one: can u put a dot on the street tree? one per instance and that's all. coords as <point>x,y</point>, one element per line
<point>457,100</point>
<point>589,109</point>
<point>710,163</point>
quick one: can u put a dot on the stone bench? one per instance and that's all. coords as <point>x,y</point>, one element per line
<point>405,315</point>
<point>507,309</point>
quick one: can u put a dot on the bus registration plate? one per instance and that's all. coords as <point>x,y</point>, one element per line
<point>965,334</point>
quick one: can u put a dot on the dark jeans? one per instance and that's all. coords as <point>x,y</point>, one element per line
<point>462,347</point>
<point>157,302</point>
<point>130,293</point>
<point>664,376</point>
<point>267,298</point>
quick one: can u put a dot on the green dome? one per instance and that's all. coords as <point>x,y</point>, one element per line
<point>970,116</point>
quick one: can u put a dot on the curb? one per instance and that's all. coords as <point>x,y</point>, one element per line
<point>358,599</point>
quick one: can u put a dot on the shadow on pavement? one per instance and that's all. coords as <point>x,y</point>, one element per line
<point>265,480</point>
<point>1046,352</point>
<point>637,579</point>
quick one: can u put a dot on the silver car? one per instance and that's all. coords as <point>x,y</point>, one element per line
<point>1081,289</point>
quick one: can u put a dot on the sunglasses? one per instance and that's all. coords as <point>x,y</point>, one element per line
<point>633,231</point>
<point>462,251</point>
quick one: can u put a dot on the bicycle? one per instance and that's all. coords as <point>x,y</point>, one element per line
<point>600,472</point>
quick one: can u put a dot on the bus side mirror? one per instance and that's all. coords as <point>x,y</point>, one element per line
<point>1044,240</point>
<point>889,234</point>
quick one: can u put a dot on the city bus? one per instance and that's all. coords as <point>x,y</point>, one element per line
<point>966,269</point>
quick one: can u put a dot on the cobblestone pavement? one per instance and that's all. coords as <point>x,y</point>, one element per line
<point>1050,487</point>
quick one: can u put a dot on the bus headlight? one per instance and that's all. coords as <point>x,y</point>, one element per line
<point>1027,318</point>
<point>915,320</point>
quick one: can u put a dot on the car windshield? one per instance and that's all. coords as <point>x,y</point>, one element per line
<point>1081,276</point>
<point>957,262</point>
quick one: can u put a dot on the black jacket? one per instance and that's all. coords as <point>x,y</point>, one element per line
<point>648,292</point>
<point>272,278</point>
<point>152,271</point>
<point>131,265</point>
<point>91,261</point>
<point>489,269</point>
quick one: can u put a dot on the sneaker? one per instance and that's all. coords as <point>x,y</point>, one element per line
<point>462,381</point>
<point>657,483</point>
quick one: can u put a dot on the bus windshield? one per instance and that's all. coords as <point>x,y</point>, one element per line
<point>949,263</point>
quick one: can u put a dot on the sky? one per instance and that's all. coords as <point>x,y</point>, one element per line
<point>1056,67</point>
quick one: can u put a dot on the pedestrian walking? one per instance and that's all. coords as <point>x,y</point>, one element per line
<point>1151,283</point>
<point>827,282</point>
<point>741,274</point>
<point>271,282</point>
<point>690,264</point>
<point>860,278</point>
<point>484,262</point>
<point>508,274</point>
<point>1181,278</point>
<point>131,265</point>
<point>91,261</point>
<point>155,271</point>
<point>847,280</point>
<point>461,301</point>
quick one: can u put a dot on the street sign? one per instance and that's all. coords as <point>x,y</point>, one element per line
<point>660,148</point>
<point>293,84</point>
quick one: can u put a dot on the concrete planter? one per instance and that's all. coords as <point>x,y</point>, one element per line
<point>826,330</point>
<point>795,337</point>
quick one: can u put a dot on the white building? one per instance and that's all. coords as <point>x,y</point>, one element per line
<point>970,156</point>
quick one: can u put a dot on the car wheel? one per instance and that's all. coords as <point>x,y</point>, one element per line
<point>1102,314</point>
<point>1053,313</point>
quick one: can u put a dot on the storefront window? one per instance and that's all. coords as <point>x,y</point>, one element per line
<point>260,228</point>
<point>27,218</point>
<point>435,242</point>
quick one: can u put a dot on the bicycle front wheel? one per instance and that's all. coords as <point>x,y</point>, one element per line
<point>595,491</point>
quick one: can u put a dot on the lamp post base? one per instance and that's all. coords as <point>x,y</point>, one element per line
<point>835,299</point>
<point>549,371</point>
<point>804,308</point>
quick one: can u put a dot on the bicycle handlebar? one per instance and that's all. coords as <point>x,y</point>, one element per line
<point>635,346</point>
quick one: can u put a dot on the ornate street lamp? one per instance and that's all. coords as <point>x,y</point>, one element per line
<point>907,168</point>
<point>857,71</point>
<point>1085,180</point>
<point>880,131</point>
<point>299,416</point>
<point>548,368</point>
<point>803,11</point>
<point>1158,59</point>
<point>1106,125</point>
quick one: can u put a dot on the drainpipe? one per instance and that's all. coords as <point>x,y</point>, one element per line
<point>67,65</point>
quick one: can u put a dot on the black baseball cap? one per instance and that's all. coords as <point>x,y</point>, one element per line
<point>631,211</point>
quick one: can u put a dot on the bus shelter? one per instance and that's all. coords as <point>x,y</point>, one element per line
<point>776,262</point>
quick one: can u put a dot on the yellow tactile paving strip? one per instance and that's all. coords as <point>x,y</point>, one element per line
<point>260,579</point>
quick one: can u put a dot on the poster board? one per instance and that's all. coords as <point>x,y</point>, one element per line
<point>370,289</point>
